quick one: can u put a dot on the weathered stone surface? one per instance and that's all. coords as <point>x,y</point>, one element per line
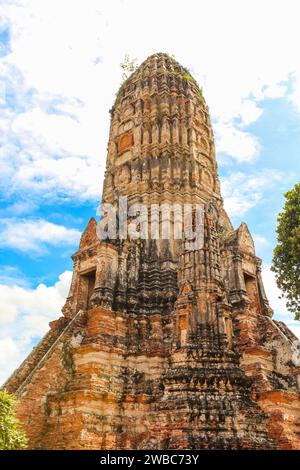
<point>160,347</point>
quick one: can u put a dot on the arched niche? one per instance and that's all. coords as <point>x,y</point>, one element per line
<point>125,141</point>
<point>123,176</point>
<point>207,180</point>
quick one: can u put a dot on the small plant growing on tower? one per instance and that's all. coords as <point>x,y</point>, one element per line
<point>11,435</point>
<point>128,66</point>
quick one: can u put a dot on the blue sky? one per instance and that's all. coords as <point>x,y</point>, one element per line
<point>59,72</point>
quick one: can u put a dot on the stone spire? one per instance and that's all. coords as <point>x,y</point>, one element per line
<point>162,346</point>
<point>161,139</point>
<point>161,151</point>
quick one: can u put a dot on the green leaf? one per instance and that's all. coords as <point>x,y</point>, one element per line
<point>286,259</point>
<point>11,435</point>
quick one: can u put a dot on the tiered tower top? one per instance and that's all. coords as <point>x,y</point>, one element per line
<point>161,139</point>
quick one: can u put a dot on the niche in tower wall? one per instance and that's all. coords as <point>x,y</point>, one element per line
<point>86,287</point>
<point>125,141</point>
<point>252,292</point>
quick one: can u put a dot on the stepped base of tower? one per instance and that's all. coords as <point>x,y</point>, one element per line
<point>213,371</point>
<point>101,389</point>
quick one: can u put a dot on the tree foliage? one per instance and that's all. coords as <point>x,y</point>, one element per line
<point>286,260</point>
<point>11,436</point>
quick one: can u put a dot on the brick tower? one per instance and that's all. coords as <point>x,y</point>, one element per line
<point>161,346</point>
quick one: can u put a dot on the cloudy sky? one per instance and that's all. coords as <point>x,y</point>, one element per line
<point>59,72</point>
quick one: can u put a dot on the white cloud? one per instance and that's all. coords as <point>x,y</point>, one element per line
<point>274,294</point>
<point>231,138</point>
<point>234,142</point>
<point>249,112</point>
<point>260,241</point>
<point>42,301</point>
<point>9,355</point>
<point>18,208</point>
<point>34,235</point>
<point>277,302</point>
<point>242,191</point>
<point>24,315</point>
<point>10,275</point>
<point>295,95</point>
<point>54,125</point>
<point>275,91</point>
